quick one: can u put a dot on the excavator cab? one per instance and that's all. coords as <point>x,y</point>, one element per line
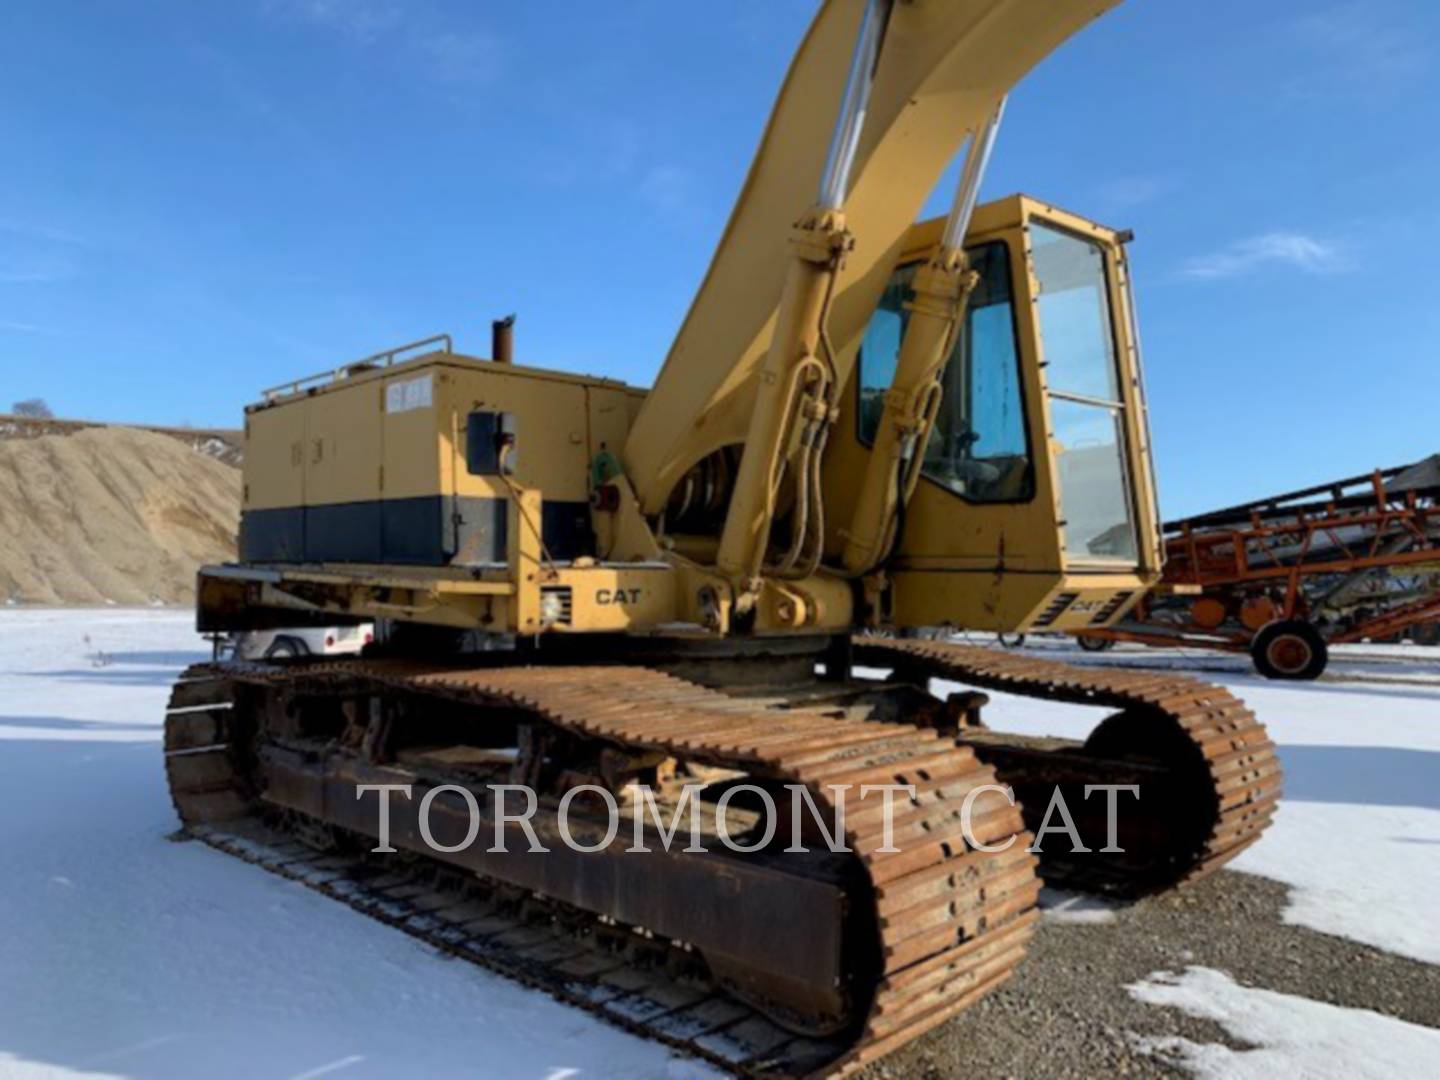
<point>1036,472</point>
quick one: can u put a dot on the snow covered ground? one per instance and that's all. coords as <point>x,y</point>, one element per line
<point>124,954</point>
<point>1287,1035</point>
<point>1358,833</point>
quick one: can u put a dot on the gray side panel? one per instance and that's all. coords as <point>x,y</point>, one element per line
<point>345,532</point>
<point>414,531</point>
<point>272,535</point>
<point>431,530</point>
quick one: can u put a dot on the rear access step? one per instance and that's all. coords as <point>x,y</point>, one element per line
<point>1208,776</point>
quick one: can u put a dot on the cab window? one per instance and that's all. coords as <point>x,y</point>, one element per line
<point>979,449</point>
<point>1087,409</point>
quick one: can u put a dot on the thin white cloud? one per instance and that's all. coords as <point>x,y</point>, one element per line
<point>37,276</point>
<point>35,268</point>
<point>1364,47</point>
<point>34,254</point>
<point>596,146</point>
<point>1287,250</point>
<point>8,326</point>
<point>460,58</point>
<point>670,192</point>
<point>1124,192</point>
<point>41,232</point>
<point>362,20</point>
<point>418,30</point>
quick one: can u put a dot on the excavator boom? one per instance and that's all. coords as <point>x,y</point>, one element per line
<point>943,66</point>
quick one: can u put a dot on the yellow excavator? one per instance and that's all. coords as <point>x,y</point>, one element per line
<point>702,598</point>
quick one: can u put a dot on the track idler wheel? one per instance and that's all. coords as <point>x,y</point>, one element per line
<point>1175,813</point>
<point>1160,828</point>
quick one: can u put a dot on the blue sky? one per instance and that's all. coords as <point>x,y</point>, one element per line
<point>201,199</point>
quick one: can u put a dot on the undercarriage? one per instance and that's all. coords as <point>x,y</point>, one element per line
<point>883,919</point>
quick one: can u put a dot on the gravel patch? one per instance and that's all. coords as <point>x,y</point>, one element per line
<point>1066,1012</point>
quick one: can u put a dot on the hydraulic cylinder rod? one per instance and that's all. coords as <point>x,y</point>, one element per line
<point>835,181</point>
<point>913,400</point>
<point>795,387</point>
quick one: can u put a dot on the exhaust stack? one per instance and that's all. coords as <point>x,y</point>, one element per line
<point>502,340</point>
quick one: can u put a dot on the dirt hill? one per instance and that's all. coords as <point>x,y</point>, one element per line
<point>111,514</point>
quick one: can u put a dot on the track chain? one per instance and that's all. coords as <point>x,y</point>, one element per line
<point>953,923</point>
<point>1237,753</point>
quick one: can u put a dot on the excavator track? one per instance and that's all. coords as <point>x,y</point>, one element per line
<point>925,926</point>
<point>1215,777</point>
